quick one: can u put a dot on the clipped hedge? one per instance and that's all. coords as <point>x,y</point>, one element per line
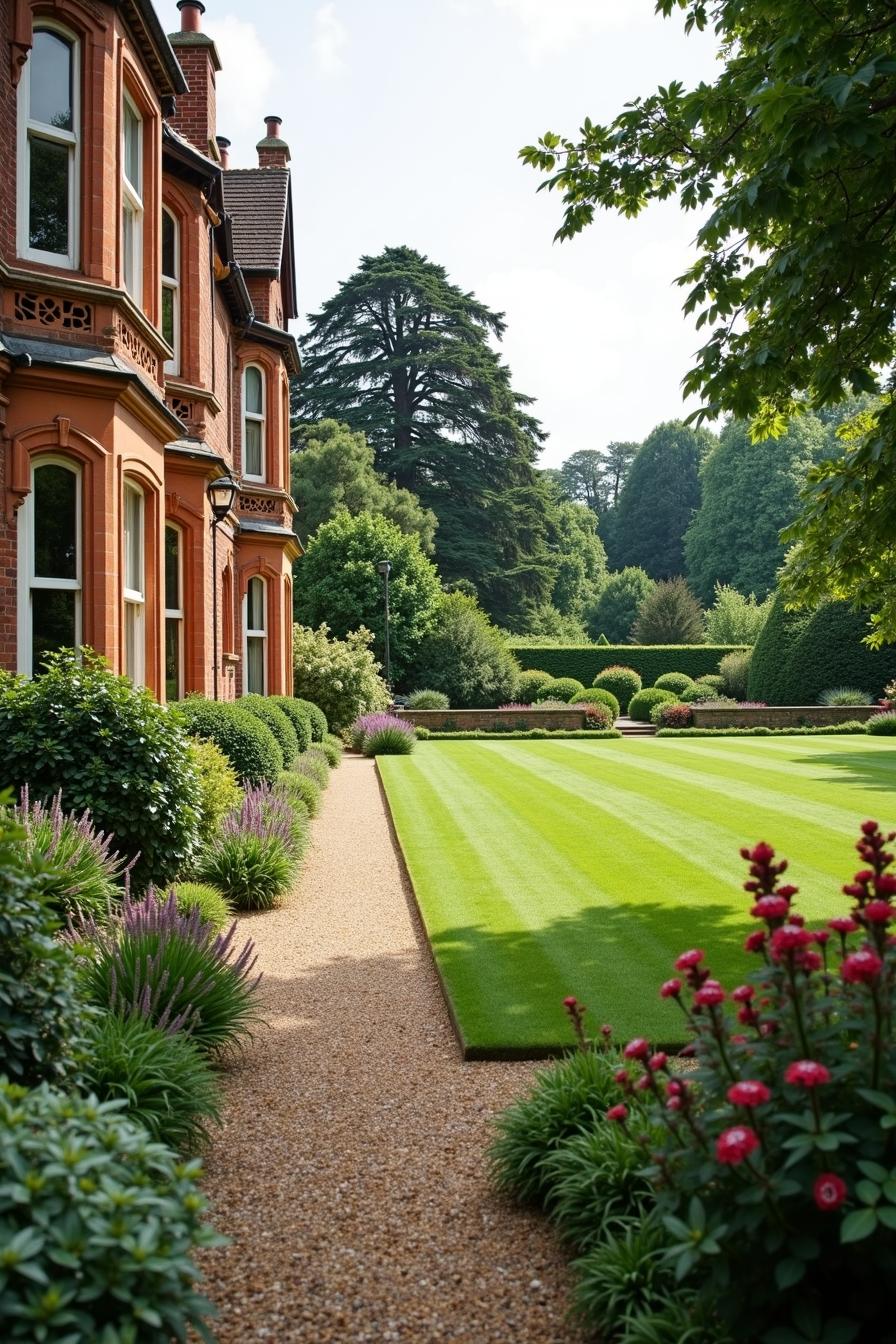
<point>248,744</point>
<point>851,728</point>
<point>584,661</point>
<point>279,723</point>
<point>800,654</point>
<point>298,717</point>
<point>319,725</point>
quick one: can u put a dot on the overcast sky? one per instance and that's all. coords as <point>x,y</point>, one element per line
<point>404,119</point>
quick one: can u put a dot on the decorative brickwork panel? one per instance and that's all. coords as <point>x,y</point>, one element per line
<point>266,505</point>
<point>48,310</point>
<point>137,350</point>
<point>182,409</point>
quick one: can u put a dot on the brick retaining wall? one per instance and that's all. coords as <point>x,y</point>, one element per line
<point>465,720</point>
<point>780,716</point>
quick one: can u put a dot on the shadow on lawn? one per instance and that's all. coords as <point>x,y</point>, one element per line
<point>871,769</point>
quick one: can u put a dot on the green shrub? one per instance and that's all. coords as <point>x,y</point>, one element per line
<point>389,741</point>
<point>253,871</point>
<point>641,704</point>
<point>595,1178</point>
<point>622,682</point>
<point>597,717</point>
<point>881,725</point>
<point>332,747</point>
<point>584,661</point>
<point>677,715</point>
<point>670,614</point>
<point>78,866</point>
<point>529,684</point>
<point>110,749</point>
<point>302,788</point>
<point>621,598</point>
<point>314,766</point>
<point>248,744</point>
<point>165,1079</point>
<point>103,1239</point>
<point>801,653</point>
<point>339,676</point>
<point>279,723</point>
<point>734,669</point>
<point>568,1098</point>
<point>208,900</point>
<point>219,788</point>
<point>319,724</point>
<point>299,716</point>
<point>559,688</point>
<point>674,681</point>
<point>598,695</point>
<point>698,692</point>
<point>830,730</point>
<point>717,682</point>
<point>428,700</point>
<point>845,695</point>
<point>465,656</point>
<point>41,1018</point>
<point>734,618</point>
<point>625,1275</point>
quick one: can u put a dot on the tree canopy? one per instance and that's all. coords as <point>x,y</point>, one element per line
<point>404,356</point>
<point>670,614</point>
<point>620,600</point>
<point>788,155</point>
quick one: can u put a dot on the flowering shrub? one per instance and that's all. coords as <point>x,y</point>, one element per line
<point>596,716</point>
<point>83,865</point>
<point>644,701</point>
<point>340,676</point>
<point>369,725</point>
<point>390,740</point>
<point>621,682</point>
<point>777,1177</point>
<point>598,695</point>
<point>665,715</point>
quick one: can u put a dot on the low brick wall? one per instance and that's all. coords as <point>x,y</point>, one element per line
<point>780,716</point>
<point>465,720</point>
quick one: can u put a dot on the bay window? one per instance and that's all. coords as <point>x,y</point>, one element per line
<point>48,157</point>
<point>134,585</point>
<point>131,200</point>
<point>174,614</point>
<point>254,433</point>
<point>171,289</point>
<point>255,637</point>
<point>49,598</point>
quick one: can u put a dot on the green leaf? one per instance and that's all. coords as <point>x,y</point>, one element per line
<point>858,1225</point>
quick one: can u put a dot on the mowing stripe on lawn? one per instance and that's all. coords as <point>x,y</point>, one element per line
<point>547,868</point>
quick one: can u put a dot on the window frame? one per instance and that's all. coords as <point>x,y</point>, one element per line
<point>175,614</point>
<point>172,283</point>
<point>27,580</point>
<point>257,419</point>
<point>28,130</point>
<point>259,635</point>
<point>132,201</point>
<point>133,599</point>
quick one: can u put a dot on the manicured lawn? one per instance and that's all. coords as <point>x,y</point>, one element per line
<point>551,868</point>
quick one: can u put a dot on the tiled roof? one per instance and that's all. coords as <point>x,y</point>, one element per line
<point>256,199</point>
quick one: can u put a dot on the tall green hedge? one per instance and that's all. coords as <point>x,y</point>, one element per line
<point>802,653</point>
<point>584,661</point>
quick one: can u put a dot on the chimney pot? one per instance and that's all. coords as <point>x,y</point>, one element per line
<point>224,148</point>
<point>273,125</point>
<point>191,12</point>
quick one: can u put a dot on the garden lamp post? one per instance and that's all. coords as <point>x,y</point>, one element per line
<point>385,568</point>
<point>221,494</point>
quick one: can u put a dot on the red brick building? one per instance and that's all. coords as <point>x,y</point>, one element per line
<point>145,292</point>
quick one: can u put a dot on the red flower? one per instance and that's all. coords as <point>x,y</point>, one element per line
<point>743,993</point>
<point>637,1049</point>
<point>657,1061</point>
<point>806,1073</point>
<point>861,967</point>
<point>747,1016</point>
<point>829,1191</point>
<point>809,961</point>
<point>643,1084</point>
<point>886,884</point>
<point>670,989</point>
<point>770,907</point>
<point>711,993</point>
<point>878,912</point>
<point>760,853</point>
<point>788,891</point>
<point>673,1103</point>
<point>674,1087</point>
<point>606,1031</point>
<point>570,1002</point>
<point>869,828</point>
<point>748,1093</point>
<point>789,938</point>
<point>843,924</point>
<point>688,960</point>
<point>618,1113</point>
<point>738,1039</point>
<point>821,936</point>
<point>756,941</point>
<point>622,1078</point>
<point>735,1144</point>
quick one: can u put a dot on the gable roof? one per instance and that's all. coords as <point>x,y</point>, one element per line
<point>257,201</point>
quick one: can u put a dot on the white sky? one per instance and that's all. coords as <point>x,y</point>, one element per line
<point>404,118</point>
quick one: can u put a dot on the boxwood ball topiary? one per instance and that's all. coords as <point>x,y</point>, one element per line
<point>279,723</point>
<point>622,682</point>
<point>248,744</point>
<point>529,684</point>
<point>298,716</point>
<point>596,695</point>
<point>643,702</point>
<point>319,725</point>
<point>560,688</point>
<point>674,681</point>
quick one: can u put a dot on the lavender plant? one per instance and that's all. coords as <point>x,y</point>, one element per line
<point>84,868</point>
<point>382,734</point>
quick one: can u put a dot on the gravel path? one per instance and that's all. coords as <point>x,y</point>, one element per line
<point>350,1172</point>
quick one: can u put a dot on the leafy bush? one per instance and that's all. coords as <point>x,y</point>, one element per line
<point>318,719</point>
<point>624,1276</point>
<point>110,749</point>
<point>339,676</point>
<point>300,789</point>
<point>882,725</point>
<point>674,681</point>
<point>208,900</point>
<point>641,704</point>
<point>78,863</point>
<point>717,682</point>
<point>622,682</point>
<point>621,598</point>
<point>596,716</point>
<point>248,744</point>
<point>584,661</point>
<point>735,672</point>
<point>844,695</point>
<point>698,693</point>
<point>801,653</point>
<point>428,700</point>
<point>299,715</point>
<point>735,619</point>
<point>41,1019</point>
<point>279,723</point>
<point>98,1245</point>
<point>528,685</point>
<point>332,749</point>
<point>219,788</point>
<point>594,1179</point>
<point>173,968</point>
<point>598,695</point>
<point>776,1171</point>
<point>559,688</point>
<point>165,1079</point>
<point>670,614</point>
<point>465,656</point>
<point>253,871</point>
<point>666,715</point>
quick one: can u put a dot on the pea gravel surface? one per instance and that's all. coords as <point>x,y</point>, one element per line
<point>350,1172</point>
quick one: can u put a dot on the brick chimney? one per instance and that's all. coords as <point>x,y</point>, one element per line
<point>224,150</point>
<point>273,152</point>
<point>199,59</point>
